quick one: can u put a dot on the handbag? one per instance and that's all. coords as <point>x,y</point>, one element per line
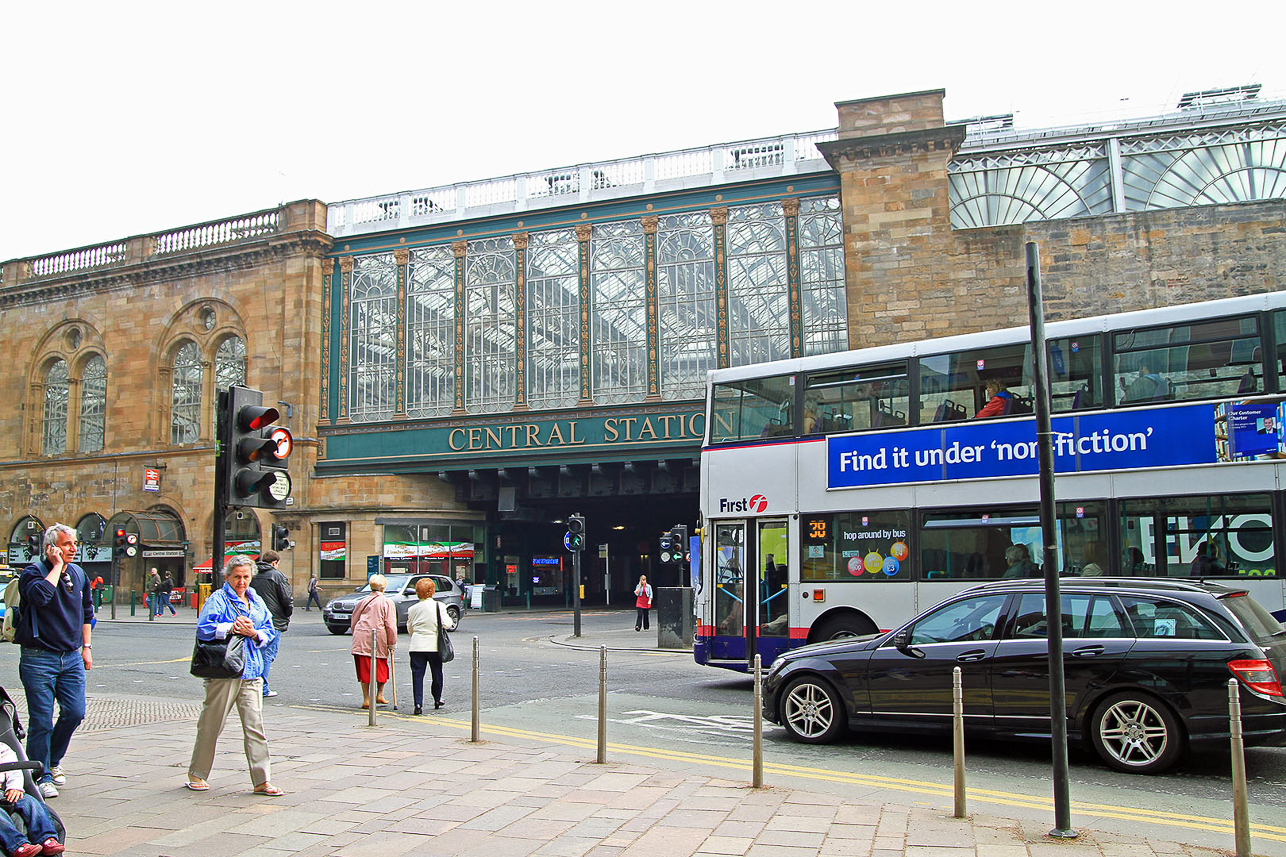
<point>219,658</point>
<point>445,649</point>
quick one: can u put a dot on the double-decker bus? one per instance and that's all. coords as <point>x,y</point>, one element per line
<point>843,493</point>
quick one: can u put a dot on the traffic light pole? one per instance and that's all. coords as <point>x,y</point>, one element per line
<point>220,488</point>
<point>576,592</point>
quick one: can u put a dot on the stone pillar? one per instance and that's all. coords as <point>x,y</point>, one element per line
<point>790,208</point>
<point>719,219</point>
<point>459,248</point>
<point>401,256</point>
<point>345,293</point>
<point>328,276</point>
<point>892,156</point>
<point>520,321</point>
<point>650,224</point>
<point>583,234</point>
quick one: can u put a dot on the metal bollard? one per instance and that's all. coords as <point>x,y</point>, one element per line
<point>602,705</point>
<point>475,731</point>
<point>370,687</point>
<point>757,761</point>
<point>1240,811</point>
<point>133,600</point>
<point>957,739</point>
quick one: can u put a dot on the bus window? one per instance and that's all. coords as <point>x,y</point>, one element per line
<point>1187,361</point>
<point>866,546</point>
<point>856,399</point>
<point>1214,536</point>
<point>754,408</point>
<point>989,544</point>
<point>1075,373</point>
<point>730,583</point>
<point>954,386</point>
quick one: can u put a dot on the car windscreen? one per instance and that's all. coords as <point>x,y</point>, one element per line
<point>1258,622</point>
<point>395,583</point>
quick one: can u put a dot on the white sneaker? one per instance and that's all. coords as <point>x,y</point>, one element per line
<point>60,779</point>
<point>47,789</point>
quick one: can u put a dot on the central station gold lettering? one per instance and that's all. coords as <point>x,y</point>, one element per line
<point>568,433</point>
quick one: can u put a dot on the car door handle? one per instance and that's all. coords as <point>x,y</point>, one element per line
<point>971,655</point>
<point>1087,652</point>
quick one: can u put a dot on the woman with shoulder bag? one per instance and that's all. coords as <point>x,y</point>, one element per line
<point>235,610</point>
<point>377,613</point>
<point>424,621</point>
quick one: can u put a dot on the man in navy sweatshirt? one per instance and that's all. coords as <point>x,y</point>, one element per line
<point>54,617</point>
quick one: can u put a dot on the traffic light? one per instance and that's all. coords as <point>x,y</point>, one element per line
<point>255,451</point>
<point>575,538</point>
<point>679,538</point>
<point>125,545</point>
<point>280,538</point>
<point>33,546</point>
<point>667,547</point>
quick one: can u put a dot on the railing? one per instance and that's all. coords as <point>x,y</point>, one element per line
<point>215,233</point>
<point>78,260</point>
<point>564,185</point>
<point>132,250</point>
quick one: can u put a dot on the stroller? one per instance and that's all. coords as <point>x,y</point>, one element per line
<point>12,733</point>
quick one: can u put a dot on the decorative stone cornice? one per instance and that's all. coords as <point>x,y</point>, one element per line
<point>584,231</point>
<point>650,223</point>
<point>719,216</point>
<point>790,207</point>
<point>460,248</point>
<point>165,269</point>
<point>948,138</point>
<point>401,256</point>
<point>520,240</point>
<point>346,264</point>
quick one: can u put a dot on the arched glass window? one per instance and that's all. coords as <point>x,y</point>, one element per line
<point>821,275</point>
<point>430,333</point>
<point>93,404</point>
<point>553,320</point>
<point>372,392</point>
<point>618,294</point>
<point>185,411</point>
<point>685,291</point>
<point>54,427</point>
<point>758,297</point>
<point>229,367</point>
<point>489,283</point>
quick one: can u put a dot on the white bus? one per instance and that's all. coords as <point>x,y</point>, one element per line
<point>843,493</point>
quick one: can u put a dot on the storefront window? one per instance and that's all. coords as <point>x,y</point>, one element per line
<point>334,550</point>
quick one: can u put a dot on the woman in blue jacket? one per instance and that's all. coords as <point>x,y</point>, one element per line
<point>235,609</point>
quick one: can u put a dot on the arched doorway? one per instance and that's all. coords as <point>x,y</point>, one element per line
<point>22,548</point>
<point>162,545</point>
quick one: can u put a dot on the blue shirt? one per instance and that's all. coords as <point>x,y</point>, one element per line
<point>52,616</point>
<point>222,608</point>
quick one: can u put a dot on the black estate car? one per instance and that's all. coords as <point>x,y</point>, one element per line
<point>1147,665</point>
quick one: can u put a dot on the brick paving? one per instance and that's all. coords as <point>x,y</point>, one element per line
<point>413,786</point>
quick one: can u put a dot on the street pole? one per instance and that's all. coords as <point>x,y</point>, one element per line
<point>1048,525</point>
<point>220,492</point>
<point>576,591</point>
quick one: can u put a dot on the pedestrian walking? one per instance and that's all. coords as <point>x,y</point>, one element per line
<point>167,593</point>
<point>153,592</point>
<point>642,600</point>
<point>96,592</point>
<point>377,613</point>
<point>312,594</point>
<point>55,621</point>
<point>235,608</point>
<point>423,622</point>
<point>273,587</point>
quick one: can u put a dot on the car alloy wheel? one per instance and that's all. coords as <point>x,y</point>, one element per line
<point>454,613</point>
<point>1136,734</point>
<point>812,711</point>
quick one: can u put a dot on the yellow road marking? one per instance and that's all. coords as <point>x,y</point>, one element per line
<point>988,796</point>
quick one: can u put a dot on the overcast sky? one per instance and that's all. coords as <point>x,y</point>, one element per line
<point>129,117</point>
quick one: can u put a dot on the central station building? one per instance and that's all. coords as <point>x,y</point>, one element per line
<point>463,367</point>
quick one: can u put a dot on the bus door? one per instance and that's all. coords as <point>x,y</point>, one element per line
<point>770,635</point>
<point>760,594</point>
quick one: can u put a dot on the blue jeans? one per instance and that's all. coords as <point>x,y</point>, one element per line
<point>39,825</point>
<point>269,653</point>
<point>47,676</point>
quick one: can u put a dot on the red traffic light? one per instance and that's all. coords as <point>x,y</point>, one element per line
<point>255,417</point>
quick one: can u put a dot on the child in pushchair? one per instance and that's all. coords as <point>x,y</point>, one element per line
<point>27,826</point>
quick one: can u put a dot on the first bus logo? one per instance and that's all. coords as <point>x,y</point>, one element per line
<point>757,503</point>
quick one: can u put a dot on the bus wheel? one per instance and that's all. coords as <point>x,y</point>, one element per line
<point>811,711</point>
<point>1134,733</point>
<point>841,627</point>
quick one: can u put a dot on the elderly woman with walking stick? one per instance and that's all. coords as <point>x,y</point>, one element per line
<point>376,612</point>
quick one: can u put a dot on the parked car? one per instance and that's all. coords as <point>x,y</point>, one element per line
<point>1147,664</point>
<point>400,588</point>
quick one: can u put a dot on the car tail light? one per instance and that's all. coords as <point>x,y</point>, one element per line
<point>1259,676</point>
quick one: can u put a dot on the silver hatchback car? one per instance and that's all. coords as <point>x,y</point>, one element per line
<point>401,589</point>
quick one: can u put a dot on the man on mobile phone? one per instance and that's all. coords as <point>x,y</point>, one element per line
<point>55,620</point>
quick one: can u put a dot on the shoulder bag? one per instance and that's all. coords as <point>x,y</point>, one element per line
<point>219,658</point>
<point>445,649</point>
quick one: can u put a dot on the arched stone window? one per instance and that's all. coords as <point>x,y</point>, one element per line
<point>57,391</point>
<point>93,404</point>
<point>185,412</point>
<point>229,366</point>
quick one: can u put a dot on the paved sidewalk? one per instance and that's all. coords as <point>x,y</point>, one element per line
<point>416,785</point>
